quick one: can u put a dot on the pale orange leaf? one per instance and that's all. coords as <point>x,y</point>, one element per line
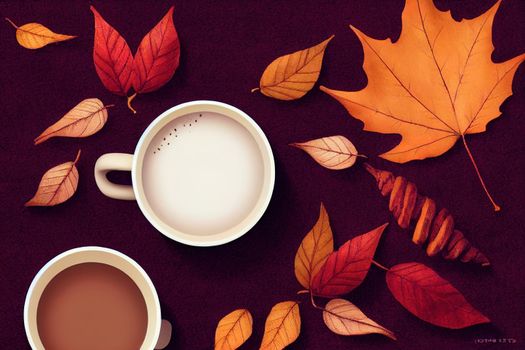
<point>291,76</point>
<point>85,119</point>
<point>282,327</point>
<point>314,250</point>
<point>233,330</point>
<point>334,152</point>
<point>57,185</point>
<point>344,318</point>
<point>35,35</point>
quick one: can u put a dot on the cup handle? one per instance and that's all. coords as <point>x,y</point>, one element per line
<point>165,335</point>
<point>109,162</point>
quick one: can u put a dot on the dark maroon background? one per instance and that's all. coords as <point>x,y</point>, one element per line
<point>226,45</point>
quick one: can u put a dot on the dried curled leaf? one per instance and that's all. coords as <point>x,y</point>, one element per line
<point>35,35</point>
<point>314,250</point>
<point>333,152</point>
<point>344,318</point>
<point>433,228</point>
<point>233,330</point>
<point>430,297</point>
<point>85,119</point>
<point>57,185</point>
<point>112,57</point>
<point>434,85</point>
<point>346,268</point>
<point>291,76</point>
<point>282,327</point>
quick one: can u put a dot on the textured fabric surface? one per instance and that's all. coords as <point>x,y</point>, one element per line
<point>226,45</point>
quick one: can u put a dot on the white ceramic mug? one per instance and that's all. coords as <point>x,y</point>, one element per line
<point>95,255</point>
<point>211,164</point>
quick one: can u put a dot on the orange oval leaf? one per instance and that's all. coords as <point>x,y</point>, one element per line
<point>112,57</point>
<point>334,152</point>
<point>346,268</point>
<point>291,76</point>
<point>430,297</point>
<point>157,56</point>
<point>314,250</point>
<point>57,185</point>
<point>282,327</point>
<point>344,318</point>
<point>35,35</point>
<point>233,330</point>
<point>85,119</point>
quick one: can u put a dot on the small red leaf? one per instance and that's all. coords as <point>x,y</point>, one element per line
<point>346,268</point>
<point>157,56</point>
<point>112,57</point>
<point>430,297</point>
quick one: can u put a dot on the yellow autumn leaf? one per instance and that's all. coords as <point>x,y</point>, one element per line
<point>344,318</point>
<point>333,152</point>
<point>282,327</point>
<point>57,185</point>
<point>233,330</point>
<point>85,119</point>
<point>434,85</point>
<point>314,249</point>
<point>35,35</point>
<point>291,76</point>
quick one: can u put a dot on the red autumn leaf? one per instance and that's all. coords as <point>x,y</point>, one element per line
<point>430,297</point>
<point>112,57</point>
<point>346,268</point>
<point>157,56</point>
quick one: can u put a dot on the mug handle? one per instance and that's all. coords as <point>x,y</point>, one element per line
<point>109,162</point>
<point>165,335</point>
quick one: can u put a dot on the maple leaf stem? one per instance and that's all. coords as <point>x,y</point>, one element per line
<point>255,89</point>
<point>382,267</point>
<point>130,98</point>
<point>14,25</point>
<point>304,291</point>
<point>496,207</point>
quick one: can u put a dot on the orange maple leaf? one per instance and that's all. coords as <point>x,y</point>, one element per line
<point>433,86</point>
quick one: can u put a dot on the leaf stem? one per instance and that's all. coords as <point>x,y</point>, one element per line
<point>130,98</point>
<point>312,300</point>
<point>382,267</point>
<point>109,106</point>
<point>255,89</point>
<point>14,25</point>
<point>78,157</point>
<point>496,207</point>
<point>304,291</point>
